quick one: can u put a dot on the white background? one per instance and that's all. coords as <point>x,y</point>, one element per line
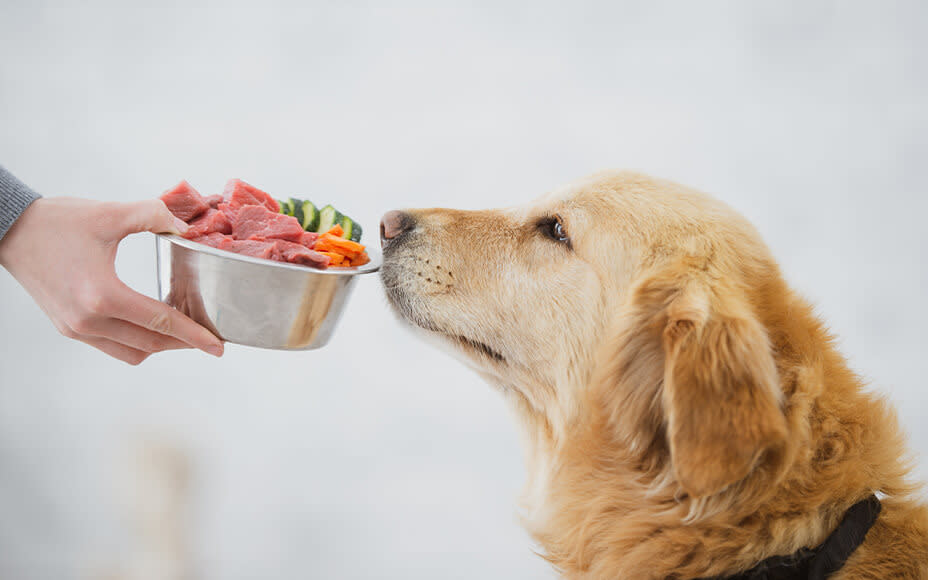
<point>379,457</point>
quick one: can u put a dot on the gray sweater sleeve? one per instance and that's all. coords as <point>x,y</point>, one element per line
<point>15,197</point>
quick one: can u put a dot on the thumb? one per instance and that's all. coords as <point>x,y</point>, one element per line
<point>151,215</point>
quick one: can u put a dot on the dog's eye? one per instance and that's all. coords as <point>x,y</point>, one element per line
<point>554,229</point>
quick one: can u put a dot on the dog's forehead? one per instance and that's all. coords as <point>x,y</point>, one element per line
<point>577,197</point>
<point>573,194</point>
<point>618,193</point>
<point>569,193</point>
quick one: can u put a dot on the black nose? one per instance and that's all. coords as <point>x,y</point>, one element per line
<point>394,224</point>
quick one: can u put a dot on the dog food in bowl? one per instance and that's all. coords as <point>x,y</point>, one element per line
<point>248,221</point>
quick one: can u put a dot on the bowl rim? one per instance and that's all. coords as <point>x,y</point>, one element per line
<point>372,266</point>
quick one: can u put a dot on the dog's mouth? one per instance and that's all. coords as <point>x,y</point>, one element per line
<point>480,347</point>
<point>468,343</point>
<point>415,318</point>
<point>411,312</point>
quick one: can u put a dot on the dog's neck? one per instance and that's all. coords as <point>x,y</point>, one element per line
<point>600,506</point>
<point>541,450</point>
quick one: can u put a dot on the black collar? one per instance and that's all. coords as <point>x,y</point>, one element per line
<point>821,562</point>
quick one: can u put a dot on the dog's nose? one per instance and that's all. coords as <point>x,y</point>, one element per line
<point>394,224</point>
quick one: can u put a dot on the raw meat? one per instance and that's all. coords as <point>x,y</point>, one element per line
<point>254,248</point>
<point>214,239</point>
<point>237,193</point>
<point>308,239</point>
<point>256,222</point>
<point>213,221</point>
<point>228,210</point>
<point>184,201</point>
<point>299,254</point>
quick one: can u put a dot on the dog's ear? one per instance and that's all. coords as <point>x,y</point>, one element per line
<point>721,393</point>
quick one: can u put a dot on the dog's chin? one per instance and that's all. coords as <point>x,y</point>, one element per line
<point>474,352</point>
<point>482,349</point>
<point>404,308</point>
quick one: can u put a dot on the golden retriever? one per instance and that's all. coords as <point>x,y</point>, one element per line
<point>686,414</point>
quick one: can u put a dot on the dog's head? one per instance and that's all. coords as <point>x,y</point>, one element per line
<point>621,300</point>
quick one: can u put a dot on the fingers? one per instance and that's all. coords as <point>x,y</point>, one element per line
<point>150,215</point>
<point>155,316</point>
<point>132,336</point>
<point>124,353</point>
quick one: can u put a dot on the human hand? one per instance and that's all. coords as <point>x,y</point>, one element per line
<point>63,252</point>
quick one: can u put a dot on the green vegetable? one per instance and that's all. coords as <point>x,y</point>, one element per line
<point>310,220</point>
<point>351,227</point>
<point>288,207</point>
<point>328,217</point>
<point>295,207</point>
<point>320,220</point>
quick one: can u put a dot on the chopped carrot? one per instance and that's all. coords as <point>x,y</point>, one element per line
<point>361,259</point>
<point>336,230</point>
<point>330,243</point>
<point>334,259</point>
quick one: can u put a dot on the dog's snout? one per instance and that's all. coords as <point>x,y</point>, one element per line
<point>394,224</point>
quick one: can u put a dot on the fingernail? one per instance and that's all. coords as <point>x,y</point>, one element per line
<point>181,225</point>
<point>214,349</point>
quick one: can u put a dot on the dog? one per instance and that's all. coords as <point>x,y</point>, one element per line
<point>685,413</point>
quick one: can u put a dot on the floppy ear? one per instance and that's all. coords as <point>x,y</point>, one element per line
<point>721,391</point>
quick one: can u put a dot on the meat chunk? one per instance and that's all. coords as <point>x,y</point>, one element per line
<point>213,221</point>
<point>228,210</point>
<point>300,254</point>
<point>256,222</point>
<point>184,201</point>
<point>237,193</point>
<point>254,248</point>
<point>308,239</point>
<point>214,239</point>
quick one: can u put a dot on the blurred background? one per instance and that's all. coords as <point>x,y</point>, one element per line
<point>379,457</point>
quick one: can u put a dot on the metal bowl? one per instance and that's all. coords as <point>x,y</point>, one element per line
<point>252,301</point>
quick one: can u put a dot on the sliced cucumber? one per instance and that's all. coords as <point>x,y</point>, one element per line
<point>295,207</point>
<point>352,229</point>
<point>320,220</point>
<point>291,206</point>
<point>328,217</point>
<point>310,220</point>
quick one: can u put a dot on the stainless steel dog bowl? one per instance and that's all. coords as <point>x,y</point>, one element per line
<point>252,301</point>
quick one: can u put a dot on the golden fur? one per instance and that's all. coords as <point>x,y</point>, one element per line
<point>685,413</point>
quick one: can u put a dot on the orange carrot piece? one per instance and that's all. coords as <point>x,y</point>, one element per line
<point>323,247</point>
<point>362,259</point>
<point>330,243</point>
<point>335,259</point>
<point>336,230</point>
